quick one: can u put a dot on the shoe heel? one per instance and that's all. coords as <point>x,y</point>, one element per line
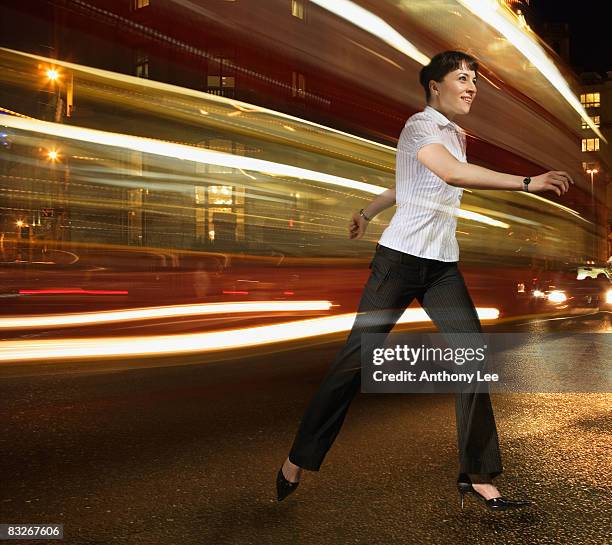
<point>463,489</point>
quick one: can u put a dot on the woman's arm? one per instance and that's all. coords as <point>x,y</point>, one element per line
<point>358,224</point>
<point>440,161</point>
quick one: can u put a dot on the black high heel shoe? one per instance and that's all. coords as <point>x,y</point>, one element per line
<point>283,486</point>
<point>494,504</point>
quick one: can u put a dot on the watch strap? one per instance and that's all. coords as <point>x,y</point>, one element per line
<point>526,182</point>
<point>362,214</point>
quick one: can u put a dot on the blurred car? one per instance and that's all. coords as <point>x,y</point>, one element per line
<point>601,276</point>
<point>594,272</point>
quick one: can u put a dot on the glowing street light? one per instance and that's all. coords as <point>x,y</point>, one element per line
<point>53,155</point>
<point>592,171</point>
<point>20,223</point>
<point>53,74</point>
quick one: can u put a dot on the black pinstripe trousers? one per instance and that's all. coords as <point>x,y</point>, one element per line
<point>396,279</point>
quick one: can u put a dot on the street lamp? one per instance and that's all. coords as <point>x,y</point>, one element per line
<point>53,74</point>
<point>53,155</point>
<point>592,171</point>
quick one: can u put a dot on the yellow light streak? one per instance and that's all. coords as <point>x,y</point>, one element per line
<point>182,151</point>
<point>184,91</point>
<point>6,110</point>
<point>378,55</point>
<point>505,24</point>
<point>206,156</point>
<point>154,313</point>
<point>54,349</point>
<point>555,204</point>
<point>373,24</point>
<point>481,75</point>
<point>197,154</point>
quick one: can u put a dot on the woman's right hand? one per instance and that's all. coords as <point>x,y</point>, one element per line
<point>553,180</point>
<point>357,226</point>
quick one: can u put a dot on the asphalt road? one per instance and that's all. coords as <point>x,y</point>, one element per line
<point>188,454</point>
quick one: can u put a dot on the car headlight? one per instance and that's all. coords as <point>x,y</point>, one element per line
<point>557,296</point>
<point>538,293</point>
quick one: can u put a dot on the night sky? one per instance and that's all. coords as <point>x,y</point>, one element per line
<point>590,31</point>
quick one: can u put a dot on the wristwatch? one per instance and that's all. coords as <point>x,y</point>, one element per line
<point>361,213</point>
<point>526,182</point>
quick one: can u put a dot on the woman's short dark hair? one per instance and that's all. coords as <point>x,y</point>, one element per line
<point>443,63</point>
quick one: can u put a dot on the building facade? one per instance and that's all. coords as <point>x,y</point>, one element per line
<point>596,98</point>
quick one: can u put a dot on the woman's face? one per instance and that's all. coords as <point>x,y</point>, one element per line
<point>456,92</point>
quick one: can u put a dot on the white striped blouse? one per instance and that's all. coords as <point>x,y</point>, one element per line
<point>425,219</point>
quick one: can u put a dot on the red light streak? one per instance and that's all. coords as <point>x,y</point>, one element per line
<point>69,291</point>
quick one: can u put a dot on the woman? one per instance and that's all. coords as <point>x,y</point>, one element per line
<point>417,257</point>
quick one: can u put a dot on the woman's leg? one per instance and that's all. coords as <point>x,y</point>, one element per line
<point>448,303</point>
<point>385,297</point>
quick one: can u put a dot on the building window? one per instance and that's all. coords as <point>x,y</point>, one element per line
<point>138,4</point>
<point>142,64</point>
<point>220,195</point>
<point>595,119</point>
<point>220,205</point>
<point>298,85</point>
<point>297,8</point>
<point>221,79</point>
<point>590,144</point>
<point>590,100</point>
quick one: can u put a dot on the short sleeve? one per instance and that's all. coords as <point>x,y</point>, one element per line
<point>418,133</point>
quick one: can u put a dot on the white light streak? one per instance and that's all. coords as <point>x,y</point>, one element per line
<point>153,313</point>
<point>374,25</point>
<point>99,347</point>
<point>487,10</point>
<point>182,151</point>
<point>480,218</point>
